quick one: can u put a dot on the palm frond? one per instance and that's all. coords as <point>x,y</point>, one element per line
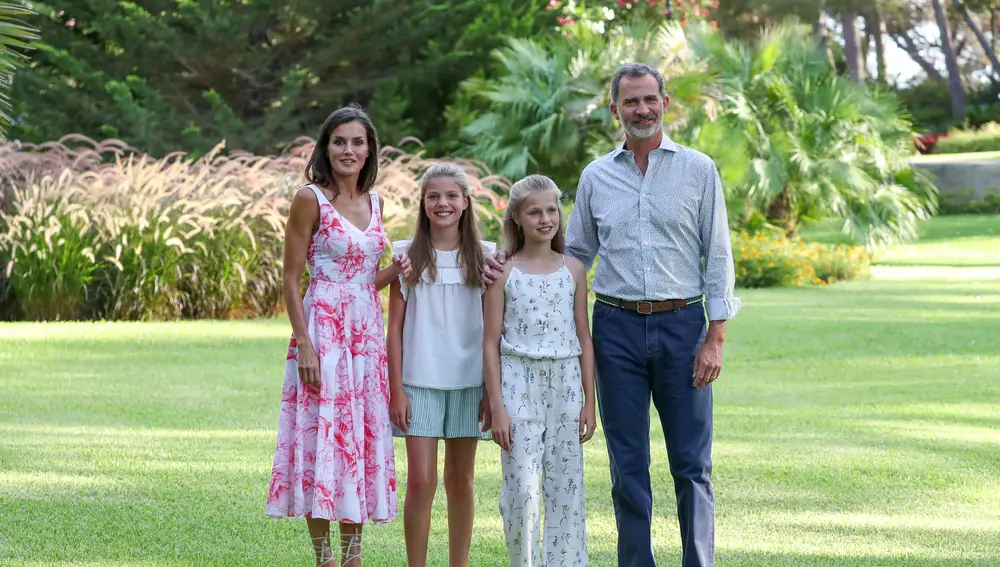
<point>14,36</point>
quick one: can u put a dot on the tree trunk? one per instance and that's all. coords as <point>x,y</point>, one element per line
<point>906,43</point>
<point>983,42</point>
<point>779,212</point>
<point>993,28</point>
<point>852,47</point>
<point>820,31</point>
<point>877,24</point>
<point>955,89</point>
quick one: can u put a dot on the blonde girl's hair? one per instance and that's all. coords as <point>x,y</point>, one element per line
<point>470,250</point>
<point>530,185</point>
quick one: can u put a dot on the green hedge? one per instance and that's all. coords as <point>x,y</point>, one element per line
<point>965,201</point>
<point>984,139</point>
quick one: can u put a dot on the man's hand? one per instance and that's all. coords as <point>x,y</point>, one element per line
<point>708,361</point>
<point>493,267</point>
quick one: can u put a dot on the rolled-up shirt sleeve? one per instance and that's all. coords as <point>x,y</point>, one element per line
<point>716,249</point>
<point>581,230</point>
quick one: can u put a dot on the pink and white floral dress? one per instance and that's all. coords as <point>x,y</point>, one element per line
<point>334,457</point>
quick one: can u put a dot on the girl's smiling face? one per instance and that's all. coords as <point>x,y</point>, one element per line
<point>539,216</point>
<point>444,202</point>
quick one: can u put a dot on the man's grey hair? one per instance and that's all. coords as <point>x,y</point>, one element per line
<point>634,70</point>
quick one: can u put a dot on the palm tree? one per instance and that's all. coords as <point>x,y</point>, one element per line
<point>534,121</point>
<point>13,35</point>
<point>793,140</point>
<point>548,111</point>
<point>820,145</point>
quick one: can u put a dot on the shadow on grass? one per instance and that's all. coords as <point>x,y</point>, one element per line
<point>763,559</point>
<point>905,263</point>
<point>175,497</point>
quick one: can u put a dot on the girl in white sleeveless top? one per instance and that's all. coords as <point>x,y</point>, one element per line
<point>538,360</point>
<point>435,348</point>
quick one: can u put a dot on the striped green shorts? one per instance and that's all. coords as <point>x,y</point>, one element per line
<point>444,414</point>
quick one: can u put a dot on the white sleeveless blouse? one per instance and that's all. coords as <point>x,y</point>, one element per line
<point>443,329</point>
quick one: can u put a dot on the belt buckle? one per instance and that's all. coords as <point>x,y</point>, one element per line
<point>639,306</point>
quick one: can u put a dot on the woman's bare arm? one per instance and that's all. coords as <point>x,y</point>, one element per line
<point>303,215</point>
<point>399,410</point>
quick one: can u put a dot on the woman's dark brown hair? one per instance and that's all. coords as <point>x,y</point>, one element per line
<point>319,170</point>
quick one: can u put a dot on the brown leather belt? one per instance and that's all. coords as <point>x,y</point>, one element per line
<point>649,307</point>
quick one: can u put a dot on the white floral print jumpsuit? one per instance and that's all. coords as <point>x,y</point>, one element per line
<point>543,394</point>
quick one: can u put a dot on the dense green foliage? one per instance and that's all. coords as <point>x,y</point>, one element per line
<point>819,145</point>
<point>15,37</point>
<point>516,86</point>
<point>794,140</point>
<point>967,201</point>
<point>173,75</point>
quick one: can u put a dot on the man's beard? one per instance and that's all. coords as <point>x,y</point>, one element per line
<point>633,129</point>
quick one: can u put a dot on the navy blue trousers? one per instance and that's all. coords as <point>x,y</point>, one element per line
<point>642,357</point>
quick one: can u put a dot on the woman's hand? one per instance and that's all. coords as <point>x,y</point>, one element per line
<point>588,422</point>
<point>402,262</point>
<point>503,429</point>
<point>399,410</point>
<point>308,365</point>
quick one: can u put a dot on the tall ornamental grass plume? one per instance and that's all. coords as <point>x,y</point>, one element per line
<point>99,230</point>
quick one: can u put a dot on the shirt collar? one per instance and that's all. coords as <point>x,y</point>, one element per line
<point>665,144</point>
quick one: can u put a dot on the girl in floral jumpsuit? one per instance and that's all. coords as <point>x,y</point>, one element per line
<point>539,369</point>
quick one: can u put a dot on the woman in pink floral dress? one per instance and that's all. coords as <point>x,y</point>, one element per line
<point>334,457</point>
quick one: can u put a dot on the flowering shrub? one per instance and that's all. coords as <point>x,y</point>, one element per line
<point>102,231</point>
<point>925,144</point>
<point>769,260</point>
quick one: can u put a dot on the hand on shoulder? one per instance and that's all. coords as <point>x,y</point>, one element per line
<point>496,266</point>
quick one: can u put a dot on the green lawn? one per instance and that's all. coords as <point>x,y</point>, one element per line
<point>965,241</point>
<point>857,424</point>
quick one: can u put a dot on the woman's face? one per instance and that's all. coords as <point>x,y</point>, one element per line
<point>348,149</point>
